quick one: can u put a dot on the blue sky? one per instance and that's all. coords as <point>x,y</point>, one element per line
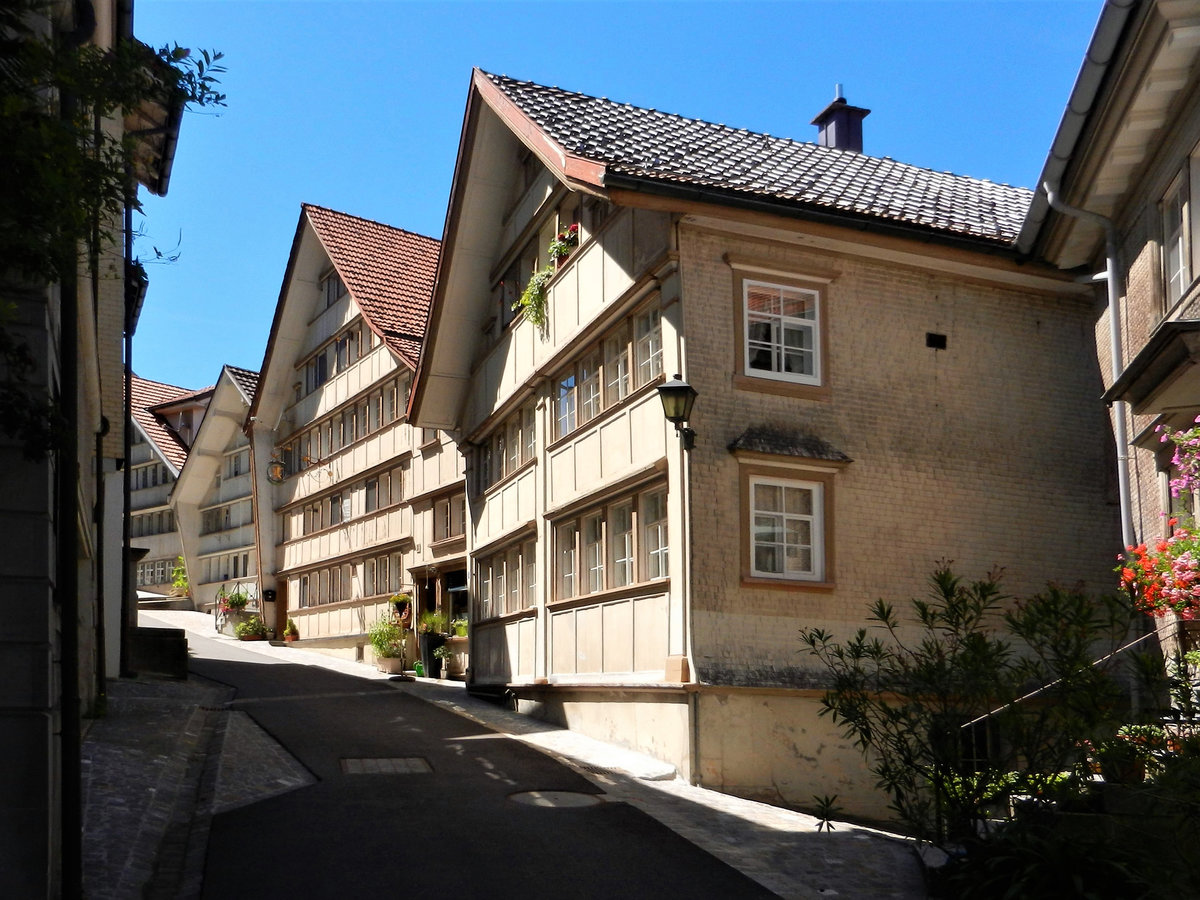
<point>358,107</point>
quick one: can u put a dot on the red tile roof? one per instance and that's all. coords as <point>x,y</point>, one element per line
<point>388,271</point>
<point>145,395</point>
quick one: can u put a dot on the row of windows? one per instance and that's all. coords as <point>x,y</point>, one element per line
<point>333,289</point>
<point>149,476</point>
<point>223,518</point>
<point>616,545</point>
<point>226,567</point>
<point>629,357</point>
<point>507,580</point>
<point>155,571</point>
<point>510,446</point>
<point>377,576</point>
<point>162,522</point>
<point>347,348</point>
<point>352,423</point>
<point>378,492</point>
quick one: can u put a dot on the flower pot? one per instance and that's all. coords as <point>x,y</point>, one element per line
<point>251,637</point>
<point>1124,771</point>
<point>430,641</point>
<point>291,637</point>
<point>391,665</point>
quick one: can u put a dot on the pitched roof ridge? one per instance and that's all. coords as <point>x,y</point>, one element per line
<point>346,215</point>
<point>848,154</point>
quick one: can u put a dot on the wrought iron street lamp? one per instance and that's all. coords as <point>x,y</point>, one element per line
<point>677,399</point>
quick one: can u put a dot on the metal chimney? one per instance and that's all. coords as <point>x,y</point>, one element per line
<point>840,124</point>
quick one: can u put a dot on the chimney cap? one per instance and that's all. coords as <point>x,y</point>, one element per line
<point>839,104</point>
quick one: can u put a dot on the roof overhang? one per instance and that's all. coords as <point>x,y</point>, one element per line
<point>1139,65</point>
<point>154,126</point>
<point>1165,376</point>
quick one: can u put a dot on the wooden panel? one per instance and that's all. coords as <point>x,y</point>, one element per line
<point>526,631</point>
<point>562,644</point>
<point>589,639</point>
<point>618,636</point>
<point>650,633</point>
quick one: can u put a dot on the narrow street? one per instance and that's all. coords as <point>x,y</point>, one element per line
<point>454,809</point>
<point>278,771</point>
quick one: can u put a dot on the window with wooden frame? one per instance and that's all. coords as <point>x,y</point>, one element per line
<point>506,580</point>
<point>449,517</point>
<point>787,524</point>
<point>1176,238</point>
<point>626,359</point>
<point>618,544</point>
<point>509,447</point>
<point>781,331</point>
<point>332,288</point>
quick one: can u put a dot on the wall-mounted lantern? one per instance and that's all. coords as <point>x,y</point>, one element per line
<point>677,399</point>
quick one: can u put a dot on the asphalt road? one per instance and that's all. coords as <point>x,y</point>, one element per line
<point>452,826</point>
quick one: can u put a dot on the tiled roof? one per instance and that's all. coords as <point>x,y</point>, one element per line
<point>786,442</point>
<point>246,380</point>
<point>388,271</point>
<point>144,396</point>
<point>662,147</point>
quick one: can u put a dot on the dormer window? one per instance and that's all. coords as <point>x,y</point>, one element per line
<point>332,289</point>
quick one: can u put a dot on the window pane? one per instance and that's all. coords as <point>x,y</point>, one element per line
<point>654,534</point>
<point>566,560</point>
<point>620,528</point>
<point>566,405</point>
<point>648,349</point>
<point>784,530</point>
<point>589,389</point>
<point>593,552</point>
<point>781,330</point>
<point>616,369</point>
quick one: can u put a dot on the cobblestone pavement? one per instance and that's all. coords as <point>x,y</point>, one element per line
<point>170,754</point>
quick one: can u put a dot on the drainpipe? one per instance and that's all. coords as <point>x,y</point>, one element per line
<point>1111,276</point>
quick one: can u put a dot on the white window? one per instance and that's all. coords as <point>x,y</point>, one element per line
<point>1176,266</point>
<point>565,406</point>
<point>786,529</point>
<point>593,553</point>
<point>620,530</point>
<point>648,346</point>
<point>589,389</point>
<point>567,559</point>
<point>782,328</point>
<point>599,550</point>
<point>654,534</point>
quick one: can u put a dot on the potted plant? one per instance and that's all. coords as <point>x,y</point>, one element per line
<point>564,244</point>
<point>532,301</point>
<point>387,640</point>
<point>431,629</point>
<point>459,625</point>
<point>251,629</point>
<point>290,631</point>
<point>441,661</point>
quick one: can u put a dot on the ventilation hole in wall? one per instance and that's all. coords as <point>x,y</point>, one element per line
<point>935,341</point>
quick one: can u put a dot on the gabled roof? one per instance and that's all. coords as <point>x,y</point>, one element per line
<point>388,271</point>
<point>647,150</point>
<point>145,395</point>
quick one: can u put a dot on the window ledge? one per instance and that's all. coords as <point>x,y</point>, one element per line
<point>498,485</point>
<point>447,543</point>
<point>777,386</point>
<point>601,417</point>
<point>791,584</point>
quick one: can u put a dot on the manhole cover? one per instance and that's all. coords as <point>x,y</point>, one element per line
<point>400,765</point>
<point>555,799</point>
